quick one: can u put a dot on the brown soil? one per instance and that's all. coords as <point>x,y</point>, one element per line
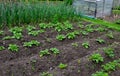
<point>21,63</point>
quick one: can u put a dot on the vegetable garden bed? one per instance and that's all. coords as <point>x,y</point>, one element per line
<point>63,49</point>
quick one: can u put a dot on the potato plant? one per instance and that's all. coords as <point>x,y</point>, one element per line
<point>71,35</point>
<point>97,58</point>
<point>44,52</point>
<point>54,50</point>
<point>31,43</point>
<point>1,32</point>
<point>100,41</point>
<point>2,48</point>
<point>30,28</point>
<point>109,52</point>
<point>62,66</point>
<point>100,73</point>
<point>13,47</point>
<point>60,37</point>
<point>86,45</point>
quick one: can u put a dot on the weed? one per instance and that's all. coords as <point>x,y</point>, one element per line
<point>97,58</point>
<point>86,45</point>
<point>13,47</point>
<point>71,35</point>
<point>100,73</point>
<point>60,37</point>
<point>44,52</point>
<point>31,43</point>
<point>55,50</point>
<point>109,52</point>
<point>62,66</point>
<point>46,74</point>
<point>99,40</point>
<point>2,48</point>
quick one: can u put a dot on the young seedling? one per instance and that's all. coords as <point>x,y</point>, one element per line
<point>75,44</point>
<point>97,58</point>
<point>100,41</point>
<point>109,52</point>
<point>110,35</point>
<point>60,37</point>
<point>16,30</point>
<point>71,35</point>
<point>62,66</point>
<point>100,29</point>
<point>59,27</point>
<point>13,47</point>
<point>55,50</point>
<point>7,37</point>
<point>31,43</point>
<point>46,74</point>
<point>2,48</point>
<point>43,26</point>
<point>84,33</point>
<point>1,32</point>
<point>86,45</point>
<point>100,73</point>
<point>30,28</point>
<point>44,52</point>
<point>17,35</point>
<point>68,25</point>
<point>34,33</point>
<point>111,66</point>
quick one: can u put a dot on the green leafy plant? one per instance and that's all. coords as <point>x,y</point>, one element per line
<point>17,35</point>
<point>1,32</point>
<point>55,50</point>
<point>84,33</point>
<point>46,74</point>
<point>110,35</point>
<point>99,40</point>
<point>100,73</point>
<point>34,33</point>
<point>100,29</point>
<point>111,66</point>
<point>30,28</point>
<point>109,52</point>
<point>8,37</point>
<point>16,30</point>
<point>59,27</point>
<point>71,35</point>
<point>86,45</point>
<point>31,43</point>
<point>2,48</point>
<point>97,58</point>
<point>68,25</point>
<point>43,26</point>
<point>75,44</point>
<point>60,37</point>
<point>62,66</point>
<point>13,47</point>
<point>44,52</point>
